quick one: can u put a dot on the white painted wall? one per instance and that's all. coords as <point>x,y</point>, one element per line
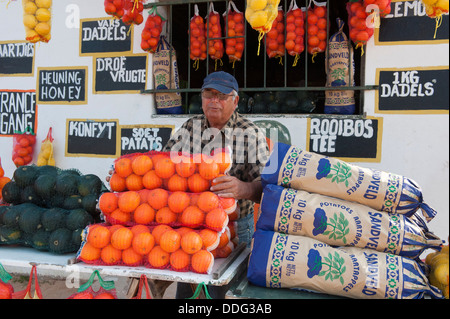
<point>416,146</point>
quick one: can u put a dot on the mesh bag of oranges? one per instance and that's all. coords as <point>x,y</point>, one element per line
<point>23,147</point>
<point>214,29</point>
<point>260,14</point>
<point>37,20</point>
<point>173,171</point>
<point>197,38</point>
<point>152,30</point>
<point>133,12</point>
<point>317,28</point>
<point>360,32</point>
<point>6,289</point>
<point>45,156</point>
<point>159,247</point>
<point>107,289</point>
<point>275,37</point>
<point>235,28</point>
<point>159,206</point>
<point>295,31</point>
<point>115,8</point>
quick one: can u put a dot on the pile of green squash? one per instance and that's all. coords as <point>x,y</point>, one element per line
<point>48,208</point>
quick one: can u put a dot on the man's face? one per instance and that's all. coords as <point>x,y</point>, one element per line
<point>218,107</point>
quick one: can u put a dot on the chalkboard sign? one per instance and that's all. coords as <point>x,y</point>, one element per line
<point>144,138</point>
<point>62,85</point>
<point>120,74</point>
<point>103,35</point>
<point>86,137</point>
<point>16,58</point>
<point>412,90</point>
<point>408,23</point>
<point>350,139</point>
<point>18,111</point>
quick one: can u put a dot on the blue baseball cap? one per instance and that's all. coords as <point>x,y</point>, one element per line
<point>221,81</point>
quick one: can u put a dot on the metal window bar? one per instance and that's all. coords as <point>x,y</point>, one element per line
<point>170,5</point>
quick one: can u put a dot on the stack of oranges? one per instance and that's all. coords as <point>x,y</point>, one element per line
<point>234,42</point>
<point>295,32</point>
<point>23,148</point>
<point>197,37</point>
<point>158,191</point>
<point>215,46</point>
<point>159,206</point>
<point>159,247</point>
<point>151,33</point>
<point>360,32</point>
<point>317,29</point>
<point>173,172</point>
<point>275,37</point>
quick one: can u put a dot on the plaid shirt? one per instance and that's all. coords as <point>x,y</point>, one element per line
<point>249,147</point>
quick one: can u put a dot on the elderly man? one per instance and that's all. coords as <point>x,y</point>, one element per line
<point>220,126</point>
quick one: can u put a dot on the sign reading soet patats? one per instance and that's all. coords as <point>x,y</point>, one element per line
<point>413,90</point>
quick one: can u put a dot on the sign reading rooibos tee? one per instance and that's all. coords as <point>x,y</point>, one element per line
<point>62,85</point>
<point>351,139</point>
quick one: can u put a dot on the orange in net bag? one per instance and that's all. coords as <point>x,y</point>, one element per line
<point>107,289</point>
<point>197,38</point>
<point>151,34</point>
<point>214,29</point>
<point>316,28</point>
<point>360,32</point>
<point>133,12</point>
<point>235,28</point>
<point>159,247</point>
<point>37,18</point>
<point>260,14</point>
<point>275,37</point>
<point>295,31</point>
<point>23,147</point>
<point>115,8</point>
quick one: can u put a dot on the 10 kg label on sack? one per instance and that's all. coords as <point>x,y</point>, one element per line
<point>288,261</point>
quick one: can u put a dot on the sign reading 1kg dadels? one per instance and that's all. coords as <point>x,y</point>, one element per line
<point>418,89</point>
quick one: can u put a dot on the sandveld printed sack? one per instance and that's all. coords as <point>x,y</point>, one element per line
<point>342,223</point>
<point>288,261</point>
<point>292,167</point>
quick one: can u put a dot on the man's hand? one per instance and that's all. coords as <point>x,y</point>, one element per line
<point>230,186</point>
